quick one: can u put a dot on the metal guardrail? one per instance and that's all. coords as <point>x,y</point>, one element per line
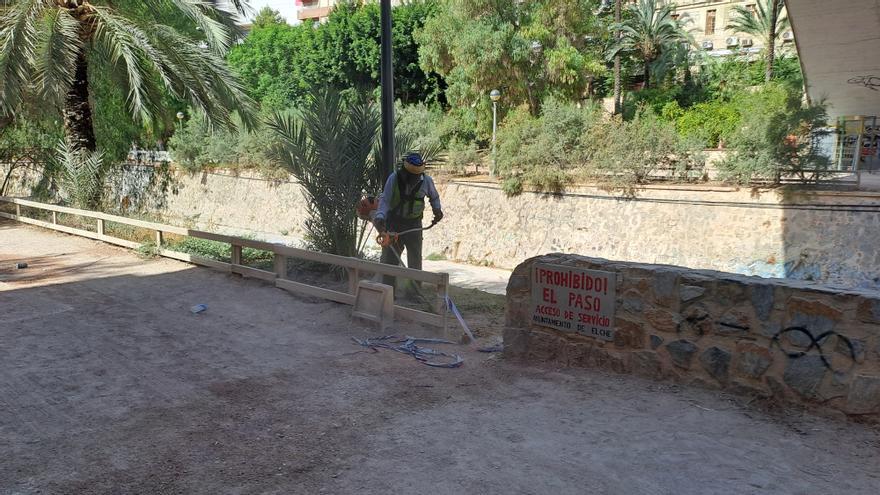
<point>281,254</point>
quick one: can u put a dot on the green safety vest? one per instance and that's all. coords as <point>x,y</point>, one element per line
<point>407,207</point>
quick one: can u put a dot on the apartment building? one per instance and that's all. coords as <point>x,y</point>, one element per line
<point>707,21</point>
<point>318,10</point>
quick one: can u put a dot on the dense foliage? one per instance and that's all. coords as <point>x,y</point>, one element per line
<point>527,50</point>
<point>282,64</point>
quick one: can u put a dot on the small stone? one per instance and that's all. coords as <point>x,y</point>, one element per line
<point>21,266</point>
<point>776,388</point>
<point>733,322</point>
<point>798,338</point>
<point>681,352</point>
<point>770,329</point>
<point>717,362</point>
<point>664,282</point>
<point>661,320</point>
<point>752,360</point>
<point>600,358</point>
<point>856,353</point>
<point>696,320</point>
<point>762,300</point>
<point>869,310</point>
<point>646,363</point>
<point>816,324</point>
<point>864,395</point>
<point>690,292</point>
<point>632,302</point>
<point>804,374</point>
<point>656,341</point>
<point>629,334</point>
<point>805,312</point>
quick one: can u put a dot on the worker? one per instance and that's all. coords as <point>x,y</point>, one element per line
<point>402,208</point>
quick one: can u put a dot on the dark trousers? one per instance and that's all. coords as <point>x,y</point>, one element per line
<point>412,244</point>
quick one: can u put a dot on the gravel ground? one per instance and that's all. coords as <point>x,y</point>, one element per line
<point>108,384</point>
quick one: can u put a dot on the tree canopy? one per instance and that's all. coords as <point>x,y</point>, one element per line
<point>281,64</point>
<point>528,50</point>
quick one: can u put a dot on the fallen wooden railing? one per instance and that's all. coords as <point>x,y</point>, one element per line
<point>281,254</point>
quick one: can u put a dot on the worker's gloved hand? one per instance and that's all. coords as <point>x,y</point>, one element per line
<point>438,215</point>
<point>380,224</point>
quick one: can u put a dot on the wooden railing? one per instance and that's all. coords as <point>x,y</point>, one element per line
<point>281,254</point>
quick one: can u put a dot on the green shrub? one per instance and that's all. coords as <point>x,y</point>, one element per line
<point>775,136</point>
<point>462,155</point>
<point>542,151</point>
<point>196,146</point>
<point>655,98</point>
<point>629,152</point>
<point>421,122</point>
<point>708,122</point>
<point>460,124</point>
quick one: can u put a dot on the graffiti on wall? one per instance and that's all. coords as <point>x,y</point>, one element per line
<point>804,338</point>
<point>871,82</point>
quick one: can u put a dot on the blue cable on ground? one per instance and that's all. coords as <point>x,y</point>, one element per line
<point>409,345</point>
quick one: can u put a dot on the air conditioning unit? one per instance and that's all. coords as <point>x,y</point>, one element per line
<point>732,41</point>
<point>707,45</point>
<point>788,36</point>
<point>746,43</point>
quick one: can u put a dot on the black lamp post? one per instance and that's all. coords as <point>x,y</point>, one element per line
<point>387,78</point>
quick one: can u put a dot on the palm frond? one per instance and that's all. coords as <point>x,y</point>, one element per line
<point>758,24</point>
<point>211,17</point>
<point>130,48</point>
<point>204,79</point>
<point>18,39</point>
<point>81,174</point>
<point>55,54</point>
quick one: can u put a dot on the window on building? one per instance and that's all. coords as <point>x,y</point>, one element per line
<point>710,22</point>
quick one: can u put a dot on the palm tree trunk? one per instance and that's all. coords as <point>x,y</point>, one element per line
<point>771,41</point>
<point>77,112</point>
<point>647,74</point>
<point>617,81</point>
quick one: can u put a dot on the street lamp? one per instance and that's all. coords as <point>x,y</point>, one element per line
<point>494,95</point>
<point>180,117</point>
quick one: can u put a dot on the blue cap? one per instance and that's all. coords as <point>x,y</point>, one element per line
<point>414,158</point>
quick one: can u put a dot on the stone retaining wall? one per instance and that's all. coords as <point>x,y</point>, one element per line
<point>788,341</point>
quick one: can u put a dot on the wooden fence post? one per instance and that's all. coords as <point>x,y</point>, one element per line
<point>354,277</point>
<point>159,239</point>
<point>236,255</point>
<point>280,266</point>
<point>17,210</point>
<point>100,226</point>
<point>442,305</point>
<point>55,218</point>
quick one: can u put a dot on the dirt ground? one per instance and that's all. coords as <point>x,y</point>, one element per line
<point>109,384</point>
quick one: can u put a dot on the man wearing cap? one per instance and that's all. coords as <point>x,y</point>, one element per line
<point>402,207</point>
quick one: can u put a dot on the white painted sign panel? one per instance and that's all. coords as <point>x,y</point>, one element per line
<point>573,299</point>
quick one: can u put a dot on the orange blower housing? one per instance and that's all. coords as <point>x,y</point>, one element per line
<point>367,207</point>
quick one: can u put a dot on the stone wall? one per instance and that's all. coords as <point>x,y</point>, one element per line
<point>788,341</point>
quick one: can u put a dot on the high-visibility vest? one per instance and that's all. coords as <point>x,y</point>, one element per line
<point>407,206</point>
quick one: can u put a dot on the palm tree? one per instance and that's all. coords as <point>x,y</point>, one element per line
<point>327,148</point>
<point>48,48</point>
<point>647,32</point>
<point>766,23</point>
<point>617,81</point>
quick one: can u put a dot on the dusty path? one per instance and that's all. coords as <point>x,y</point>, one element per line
<point>108,384</point>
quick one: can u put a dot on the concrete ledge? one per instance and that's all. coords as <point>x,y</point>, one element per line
<point>792,342</point>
